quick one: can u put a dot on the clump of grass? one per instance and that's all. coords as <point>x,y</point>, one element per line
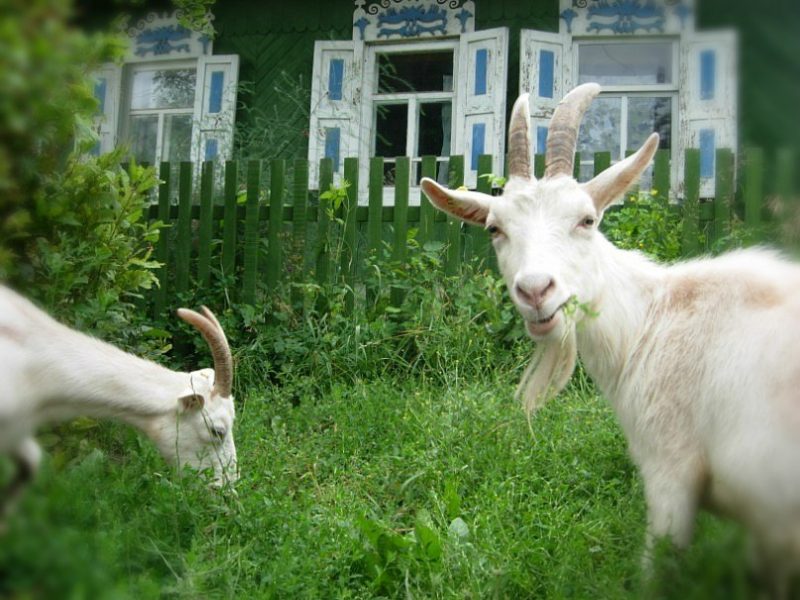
<point>381,488</point>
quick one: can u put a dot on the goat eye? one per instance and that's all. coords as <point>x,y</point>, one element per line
<point>587,222</point>
<point>219,432</point>
<point>493,230</point>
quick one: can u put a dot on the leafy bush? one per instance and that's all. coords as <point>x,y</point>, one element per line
<point>646,222</point>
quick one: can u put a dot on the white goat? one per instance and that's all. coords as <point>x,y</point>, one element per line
<point>699,360</point>
<point>52,373</point>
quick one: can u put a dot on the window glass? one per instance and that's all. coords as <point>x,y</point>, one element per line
<point>163,88</point>
<point>646,115</point>
<point>600,130</point>
<point>177,137</point>
<point>143,137</point>
<point>434,129</point>
<point>390,130</point>
<point>415,72</point>
<point>625,64</point>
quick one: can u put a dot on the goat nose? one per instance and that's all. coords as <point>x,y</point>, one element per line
<point>533,289</point>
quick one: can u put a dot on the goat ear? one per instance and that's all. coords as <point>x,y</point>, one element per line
<point>472,207</point>
<point>612,183</point>
<point>191,401</point>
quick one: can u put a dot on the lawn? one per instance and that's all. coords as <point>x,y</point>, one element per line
<point>389,487</point>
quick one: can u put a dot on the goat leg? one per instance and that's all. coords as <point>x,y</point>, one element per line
<point>26,458</point>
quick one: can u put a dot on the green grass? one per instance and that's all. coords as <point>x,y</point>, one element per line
<point>380,488</point>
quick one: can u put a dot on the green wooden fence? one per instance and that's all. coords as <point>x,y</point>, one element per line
<point>250,223</point>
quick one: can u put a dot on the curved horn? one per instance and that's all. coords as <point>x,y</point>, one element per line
<point>562,137</point>
<point>212,332</point>
<point>519,146</point>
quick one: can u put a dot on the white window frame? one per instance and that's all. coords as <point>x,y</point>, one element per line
<point>127,112</point>
<point>624,92</point>
<point>412,99</point>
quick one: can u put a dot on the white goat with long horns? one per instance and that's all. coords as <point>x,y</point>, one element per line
<point>699,360</point>
<point>52,373</point>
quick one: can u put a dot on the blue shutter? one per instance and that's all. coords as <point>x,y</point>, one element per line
<point>547,60</point>
<point>335,79</point>
<point>481,68</point>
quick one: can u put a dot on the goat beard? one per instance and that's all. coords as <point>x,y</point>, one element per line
<point>550,368</point>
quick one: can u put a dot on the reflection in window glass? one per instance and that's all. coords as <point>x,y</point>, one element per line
<point>646,115</point>
<point>625,64</point>
<point>600,129</point>
<point>415,72</point>
<point>434,129</point>
<point>143,137</point>
<point>163,88</point>
<point>177,137</point>
<point>391,132</point>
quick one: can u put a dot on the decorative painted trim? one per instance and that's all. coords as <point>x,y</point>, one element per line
<point>215,92</point>
<point>333,140</point>
<point>541,139</point>
<point>547,65</point>
<point>409,19</point>
<point>160,36</point>
<point>100,88</point>
<point>708,72</point>
<point>212,149</point>
<point>707,143</point>
<point>625,17</point>
<point>481,70</point>
<point>478,143</point>
<point>335,78</point>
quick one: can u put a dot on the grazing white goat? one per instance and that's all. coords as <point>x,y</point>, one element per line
<point>51,373</point>
<point>700,360</point>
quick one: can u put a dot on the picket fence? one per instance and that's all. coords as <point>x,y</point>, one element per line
<point>259,226</point>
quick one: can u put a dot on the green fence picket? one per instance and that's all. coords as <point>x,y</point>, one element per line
<point>323,248</point>
<point>230,217</point>
<point>299,226</point>
<point>275,225</point>
<point>753,188</point>
<point>205,228</point>
<point>251,242</point>
<point>481,242</point>
<point>375,206</point>
<point>602,160</point>
<point>400,242</point>
<point>723,194</point>
<point>162,253</point>
<point>426,210</point>
<point>691,203</point>
<point>183,250</point>
<point>661,173</point>
<point>349,248</point>
<point>453,229</point>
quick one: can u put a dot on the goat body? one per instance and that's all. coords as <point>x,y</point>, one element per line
<point>52,373</point>
<point>698,359</point>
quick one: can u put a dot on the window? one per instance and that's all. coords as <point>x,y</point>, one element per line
<point>657,74</point>
<point>412,107</point>
<point>172,100</point>
<point>639,96</point>
<point>413,82</point>
<point>160,112</point>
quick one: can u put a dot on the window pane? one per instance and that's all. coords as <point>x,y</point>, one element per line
<point>415,72</point>
<point>434,126</point>
<point>391,122</point>
<point>646,115</point>
<point>601,131</point>
<point>163,88</point>
<point>143,137</point>
<point>625,64</point>
<point>177,137</point>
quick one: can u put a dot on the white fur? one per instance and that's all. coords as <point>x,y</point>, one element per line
<point>52,373</point>
<point>700,360</point>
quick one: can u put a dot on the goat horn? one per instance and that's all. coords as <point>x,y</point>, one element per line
<point>209,327</point>
<point>562,137</point>
<point>519,147</point>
